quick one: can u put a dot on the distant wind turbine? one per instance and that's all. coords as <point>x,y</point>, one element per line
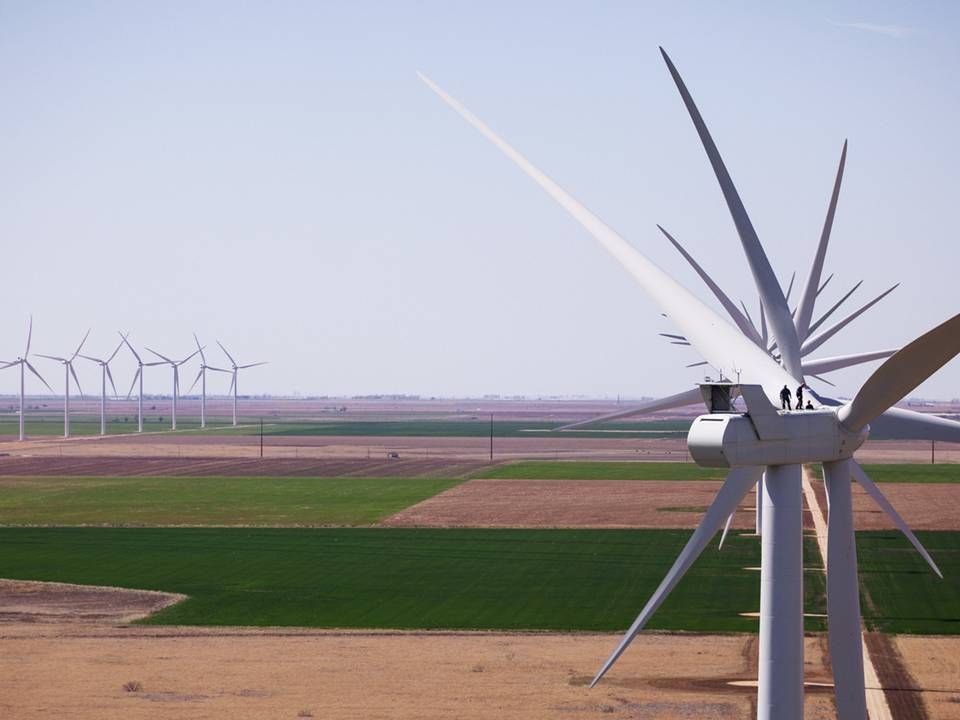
<point>105,374</point>
<point>23,362</point>
<point>233,380</point>
<point>202,378</point>
<point>138,376</point>
<point>175,364</point>
<point>68,371</point>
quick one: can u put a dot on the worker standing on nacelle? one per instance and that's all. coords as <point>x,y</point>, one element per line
<point>785,396</point>
<point>800,396</point>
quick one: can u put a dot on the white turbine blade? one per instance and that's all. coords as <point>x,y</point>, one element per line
<point>738,483</point>
<point>110,378</point>
<point>233,382</point>
<point>829,364</point>
<point>80,346</point>
<point>823,380</point>
<point>229,356</point>
<point>764,333</point>
<point>902,424</point>
<point>816,341</point>
<point>199,375</point>
<point>825,283</point>
<point>163,357</point>
<point>718,342</point>
<point>114,353</point>
<point>216,369</point>
<point>738,317</point>
<point>34,371</point>
<point>698,364</point>
<point>135,353</point>
<point>50,357</point>
<point>250,365</point>
<point>753,325</point>
<point>771,294</point>
<point>682,399</point>
<point>26,352</point>
<point>810,290</point>
<point>91,359</point>
<point>75,379</point>
<point>155,364</point>
<point>832,310</point>
<point>903,372</point>
<point>790,287</point>
<point>187,358</point>
<point>843,595</point>
<point>726,529</point>
<point>203,358</point>
<point>673,337</point>
<point>134,383</point>
<point>880,499</point>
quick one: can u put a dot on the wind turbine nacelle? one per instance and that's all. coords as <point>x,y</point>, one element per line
<point>735,439</point>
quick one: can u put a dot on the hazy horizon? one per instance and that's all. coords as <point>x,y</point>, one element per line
<point>276,177</point>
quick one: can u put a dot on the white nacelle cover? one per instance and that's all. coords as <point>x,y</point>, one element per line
<point>730,440</point>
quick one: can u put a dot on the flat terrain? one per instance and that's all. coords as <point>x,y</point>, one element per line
<point>571,504</point>
<point>399,578</point>
<point>210,500</point>
<point>208,673</point>
<point>907,473</point>
<point>585,470</point>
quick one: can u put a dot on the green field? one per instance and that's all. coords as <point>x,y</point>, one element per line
<point>899,592</point>
<point>479,427</point>
<point>399,578</point>
<point>907,473</point>
<point>588,470</point>
<point>138,501</point>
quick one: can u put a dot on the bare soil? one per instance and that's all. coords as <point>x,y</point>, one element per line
<point>570,504</point>
<point>235,467</point>
<point>934,664</point>
<point>46,602</point>
<point>81,672</point>
<point>924,506</point>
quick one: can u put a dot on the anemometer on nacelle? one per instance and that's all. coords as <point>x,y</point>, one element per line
<point>762,435</point>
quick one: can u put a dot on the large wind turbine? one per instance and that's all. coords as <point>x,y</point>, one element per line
<point>235,369</point>
<point>23,362</point>
<point>175,364</point>
<point>764,440</point>
<point>137,376</point>
<point>68,371</point>
<point>105,375</point>
<point>202,379</point>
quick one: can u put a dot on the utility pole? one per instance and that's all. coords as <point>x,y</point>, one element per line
<point>491,437</point>
<point>261,437</point>
<point>932,457</point>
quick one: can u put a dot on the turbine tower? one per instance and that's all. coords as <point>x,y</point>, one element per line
<point>233,380</point>
<point>763,440</point>
<point>202,378</point>
<point>68,371</point>
<point>23,362</point>
<point>175,364</point>
<point>137,376</point>
<point>105,375</point>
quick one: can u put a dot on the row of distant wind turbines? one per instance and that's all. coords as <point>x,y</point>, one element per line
<point>24,363</point>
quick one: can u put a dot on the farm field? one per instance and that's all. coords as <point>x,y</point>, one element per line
<point>593,580</point>
<point>138,501</point>
<point>586,470</point>
<point>906,473</point>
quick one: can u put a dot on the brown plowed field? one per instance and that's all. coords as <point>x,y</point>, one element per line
<point>570,504</point>
<point>933,680</point>
<point>238,467</point>
<point>80,672</point>
<point>924,506</point>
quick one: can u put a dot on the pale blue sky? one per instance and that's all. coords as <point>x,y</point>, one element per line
<point>276,176</point>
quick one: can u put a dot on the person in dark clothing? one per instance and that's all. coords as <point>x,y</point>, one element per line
<point>800,397</point>
<point>808,406</point>
<point>785,398</point>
